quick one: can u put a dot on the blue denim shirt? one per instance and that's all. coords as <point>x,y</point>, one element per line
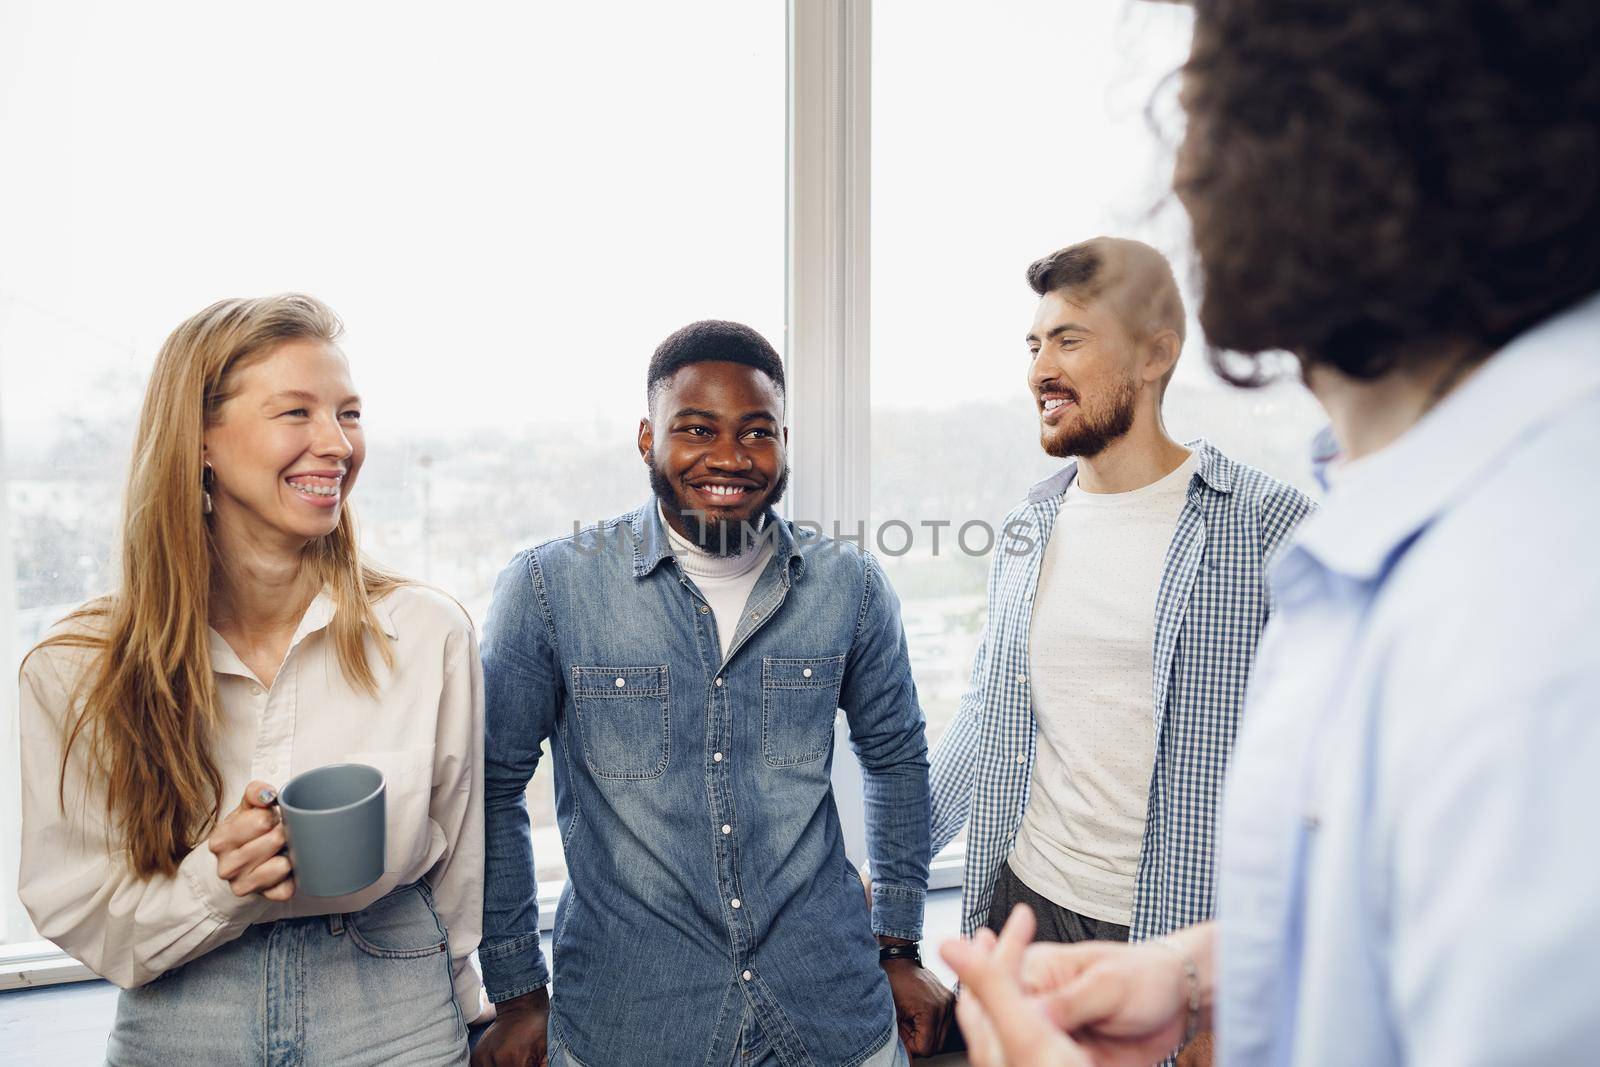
<point>708,887</point>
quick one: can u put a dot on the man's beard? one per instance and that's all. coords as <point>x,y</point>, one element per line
<point>719,537</point>
<point>1094,428</point>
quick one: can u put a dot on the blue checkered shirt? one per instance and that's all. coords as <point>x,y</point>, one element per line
<point>1210,610</point>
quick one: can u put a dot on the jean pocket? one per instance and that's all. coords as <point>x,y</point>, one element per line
<point>623,720</point>
<point>799,700</point>
<point>402,925</point>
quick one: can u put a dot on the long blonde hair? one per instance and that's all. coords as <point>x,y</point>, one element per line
<point>149,707</point>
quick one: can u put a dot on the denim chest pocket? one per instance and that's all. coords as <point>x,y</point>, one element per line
<point>799,698</point>
<point>622,716</point>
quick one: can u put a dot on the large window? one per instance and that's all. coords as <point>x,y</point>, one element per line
<point>998,139</point>
<point>509,204</point>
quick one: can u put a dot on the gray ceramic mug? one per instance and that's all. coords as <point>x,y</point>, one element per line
<point>334,816</point>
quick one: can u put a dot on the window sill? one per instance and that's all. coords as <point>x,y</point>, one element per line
<point>38,963</point>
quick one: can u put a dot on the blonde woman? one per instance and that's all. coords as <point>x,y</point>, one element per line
<point>249,641</point>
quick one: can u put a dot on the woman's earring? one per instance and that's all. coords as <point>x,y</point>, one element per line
<point>206,478</point>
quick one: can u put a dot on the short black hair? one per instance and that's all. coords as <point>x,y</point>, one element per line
<point>708,341</point>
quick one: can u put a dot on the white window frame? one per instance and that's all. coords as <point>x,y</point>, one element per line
<point>829,303</point>
<point>826,345</point>
<point>19,962</point>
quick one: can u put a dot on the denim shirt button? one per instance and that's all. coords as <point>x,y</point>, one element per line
<point>716,757</point>
<point>704,610</point>
<point>734,904</point>
<point>806,673</point>
<point>621,682</point>
<point>719,683</point>
<point>726,829</point>
<point>746,976</point>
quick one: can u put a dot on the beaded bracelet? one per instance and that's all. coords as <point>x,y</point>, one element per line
<point>1191,974</point>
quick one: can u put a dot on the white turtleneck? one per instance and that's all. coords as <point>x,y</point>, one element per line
<point>725,581</point>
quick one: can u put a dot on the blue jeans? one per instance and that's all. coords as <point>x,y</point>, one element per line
<point>754,1051</point>
<point>368,988</point>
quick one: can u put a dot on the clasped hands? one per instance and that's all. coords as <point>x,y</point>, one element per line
<point>1091,1004</point>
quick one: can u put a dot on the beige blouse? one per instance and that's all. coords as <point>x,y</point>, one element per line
<point>423,730</point>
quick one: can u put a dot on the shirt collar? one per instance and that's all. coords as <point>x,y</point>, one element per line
<point>651,544</point>
<point>699,563</point>
<point>1214,470</point>
<point>1377,506</point>
<point>319,613</point>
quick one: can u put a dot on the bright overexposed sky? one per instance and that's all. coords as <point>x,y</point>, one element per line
<point>1000,133</point>
<point>510,204</point>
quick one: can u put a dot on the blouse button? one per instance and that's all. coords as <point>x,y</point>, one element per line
<point>255,690</point>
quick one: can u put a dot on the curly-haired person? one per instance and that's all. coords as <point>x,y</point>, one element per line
<point>1406,197</point>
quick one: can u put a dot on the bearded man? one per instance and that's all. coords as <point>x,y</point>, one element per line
<point>1125,605</point>
<point>687,662</point>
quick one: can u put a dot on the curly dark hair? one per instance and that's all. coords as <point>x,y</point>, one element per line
<point>1369,181</point>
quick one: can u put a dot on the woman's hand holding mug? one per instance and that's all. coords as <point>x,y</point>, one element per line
<point>249,845</point>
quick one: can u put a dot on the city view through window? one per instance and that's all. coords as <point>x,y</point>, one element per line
<point>502,297</point>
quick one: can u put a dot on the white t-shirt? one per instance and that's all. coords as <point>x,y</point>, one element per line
<point>1091,649</point>
<point>725,581</point>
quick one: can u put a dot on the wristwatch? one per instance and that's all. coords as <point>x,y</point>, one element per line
<point>899,952</point>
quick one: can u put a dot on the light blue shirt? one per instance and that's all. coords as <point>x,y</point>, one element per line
<point>1409,866</point>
